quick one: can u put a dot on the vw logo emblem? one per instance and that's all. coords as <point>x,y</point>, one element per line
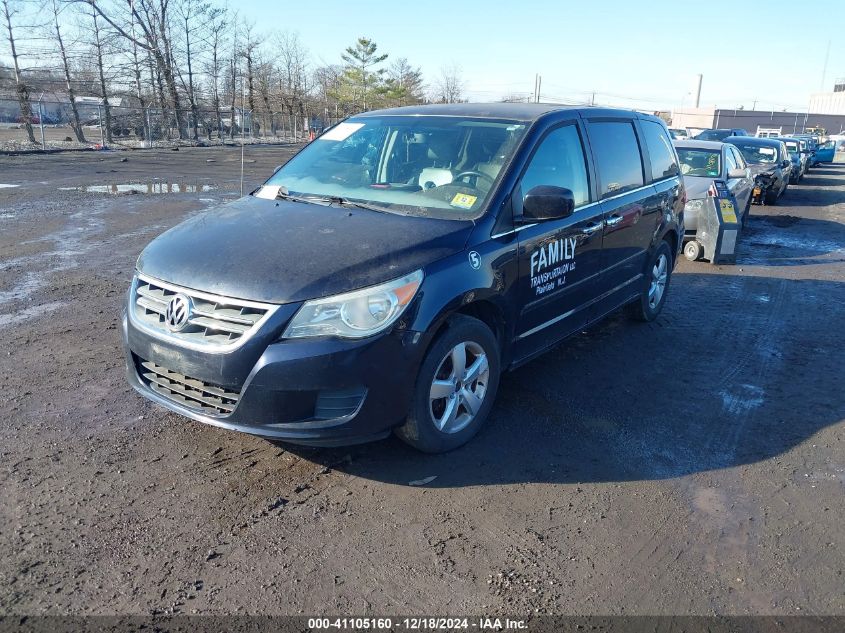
<point>178,312</point>
<point>474,260</point>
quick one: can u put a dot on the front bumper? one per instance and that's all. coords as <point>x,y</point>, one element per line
<point>318,392</point>
<point>761,189</point>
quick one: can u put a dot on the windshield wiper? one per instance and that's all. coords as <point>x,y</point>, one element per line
<point>346,202</point>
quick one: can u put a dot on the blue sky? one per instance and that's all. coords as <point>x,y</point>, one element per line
<point>650,50</point>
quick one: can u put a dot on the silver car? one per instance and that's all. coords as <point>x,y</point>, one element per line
<point>702,163</point>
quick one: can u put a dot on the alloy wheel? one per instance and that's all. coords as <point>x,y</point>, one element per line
<point>459,387</point>
<point>659,275</point>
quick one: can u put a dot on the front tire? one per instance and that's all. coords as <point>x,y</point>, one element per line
<point>455,389</point>
<point>772,196</point>
<point>658,273</point>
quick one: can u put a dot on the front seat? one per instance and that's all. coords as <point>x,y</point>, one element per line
<point>440,172</point>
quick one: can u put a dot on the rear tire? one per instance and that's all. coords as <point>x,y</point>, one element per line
<point>655,285</point>
<point>448,406</point>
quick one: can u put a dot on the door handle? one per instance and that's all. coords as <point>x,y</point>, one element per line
<point>592,228</point>
<point>613,220</point>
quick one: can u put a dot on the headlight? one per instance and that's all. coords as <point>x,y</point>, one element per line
<point>355,314</point>
<point>694,206</point>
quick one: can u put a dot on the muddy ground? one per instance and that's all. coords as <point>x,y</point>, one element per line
<point>694,465</point>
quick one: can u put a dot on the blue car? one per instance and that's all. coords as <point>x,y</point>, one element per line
<point>798,154</point>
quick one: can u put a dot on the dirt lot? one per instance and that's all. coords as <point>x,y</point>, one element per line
<point>695,465</point>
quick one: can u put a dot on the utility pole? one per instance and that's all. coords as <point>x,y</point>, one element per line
<point>698,90</point>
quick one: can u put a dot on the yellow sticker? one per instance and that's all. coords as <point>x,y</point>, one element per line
<point>728,212</point>
<point>463,201</point>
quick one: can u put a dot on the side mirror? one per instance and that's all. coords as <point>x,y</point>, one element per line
<point>545,202</point>
<point>786,163</point>
<point>737,173</point>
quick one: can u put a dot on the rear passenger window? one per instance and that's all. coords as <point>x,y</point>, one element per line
<point>559,161</point>
<point>663,162</point>
<point>617,156</point>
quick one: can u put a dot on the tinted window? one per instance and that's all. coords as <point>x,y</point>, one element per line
<point>617,156</point>
<point>663,163</point>
<point>559,161</point>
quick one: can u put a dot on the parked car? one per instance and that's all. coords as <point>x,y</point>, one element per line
<point>702,164</point>
<point>719,134</point>
<point>798,154</point>
<point>812,145</point>
<point>769,163</point>
<point>679,134</point>
<point>383,278</point>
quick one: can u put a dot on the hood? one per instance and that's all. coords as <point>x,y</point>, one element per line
<point>762,168</point>
<point>697,186</point>
<point>283,251</point>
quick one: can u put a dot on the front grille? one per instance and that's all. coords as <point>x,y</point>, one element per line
<point>189,392</point>
<point>215,322</point>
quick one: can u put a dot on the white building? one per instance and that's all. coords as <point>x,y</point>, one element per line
<point>829,102</point>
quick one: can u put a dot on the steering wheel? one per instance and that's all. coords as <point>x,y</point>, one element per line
<point>476,174</point>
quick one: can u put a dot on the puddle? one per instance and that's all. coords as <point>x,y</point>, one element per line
<point>2,186</point>
<point>143,187</point>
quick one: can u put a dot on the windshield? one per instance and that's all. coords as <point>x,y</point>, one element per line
<point>792,146</point>
<point>758,154</point>
<point>435,166</point>
<point>700,162</point>
<point>713,135</point>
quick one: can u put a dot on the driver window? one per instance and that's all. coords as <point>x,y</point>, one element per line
<point>559,161</point>
<point>730,160</point>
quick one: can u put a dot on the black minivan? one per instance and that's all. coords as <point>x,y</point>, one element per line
<point>385,276</point>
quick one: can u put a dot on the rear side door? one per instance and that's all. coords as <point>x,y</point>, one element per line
<point>559,260</point>
<point>630,208</point>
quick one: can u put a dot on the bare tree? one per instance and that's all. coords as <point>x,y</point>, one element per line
<point>405,83</point>
<point>154,20</point>
<point>217,33</point>
<point>449,87</point>
<point>9,11</point>
<point>97,41</point>
<point>248,51</point>
<point>233,78</point>
<point>194,18</point>
<point>293,75</point>
<point>75,123</point>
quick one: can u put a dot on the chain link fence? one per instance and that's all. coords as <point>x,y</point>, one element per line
<point>118,126</point>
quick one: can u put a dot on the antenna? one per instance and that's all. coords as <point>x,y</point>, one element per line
<point>824,68</point>
<point>243,123</point>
